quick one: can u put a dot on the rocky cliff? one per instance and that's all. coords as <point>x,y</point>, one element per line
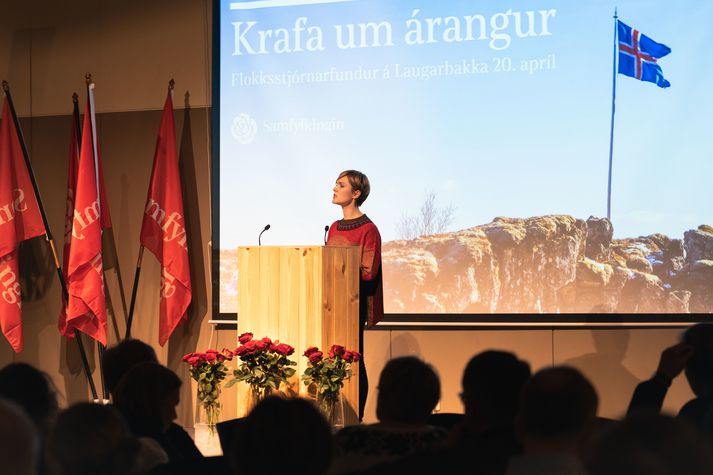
<point>552,264</point>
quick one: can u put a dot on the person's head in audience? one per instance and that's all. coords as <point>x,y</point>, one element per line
<point>285,436</point>
<point>409,390</point>
<point>19,440</point>
<point>651,444</point>
<point>492,385</point>
<point>147,395</point>
<point>699,369</point>
<point>558,409</point>
<point>121,358</point>
<point>91,439</point>
<point>32,390</point>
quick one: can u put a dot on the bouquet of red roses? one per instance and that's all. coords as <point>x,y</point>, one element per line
<point>328,374</point>
<point>264,364</point>
<point>209,370</point>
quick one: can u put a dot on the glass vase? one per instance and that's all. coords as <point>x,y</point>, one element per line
<point>332,407</point>
<point>209,407</point>
<point>207,417</point>
<point>256,395</point>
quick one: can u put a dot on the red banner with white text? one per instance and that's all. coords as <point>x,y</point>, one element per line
<point>20,219</point>
<point>163,230</point>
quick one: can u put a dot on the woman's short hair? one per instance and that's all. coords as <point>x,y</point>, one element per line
<point>142,393</point>
<point>32,390</point>
<point>91,438</point>
<point>359,182</point>
<point>409,390</point>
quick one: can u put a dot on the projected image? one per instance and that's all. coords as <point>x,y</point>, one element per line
<point>503,179</point>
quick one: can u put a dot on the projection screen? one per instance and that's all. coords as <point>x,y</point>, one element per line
<point>503,178</point>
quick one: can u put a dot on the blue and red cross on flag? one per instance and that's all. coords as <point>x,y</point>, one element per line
<point>638,55</point>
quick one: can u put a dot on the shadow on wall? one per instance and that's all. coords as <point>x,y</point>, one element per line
<point>605,367</point>
<point>185,337</point>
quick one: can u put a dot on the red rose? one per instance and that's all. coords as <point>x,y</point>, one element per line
<point>315,357</point>
<point>245,337</point>
<point>195,360</point>
<point>210,357</point>
<point>336,350</point>
<point>251,347</point>
<point>309,351</point>
<point>264,344</point>
<point>227,354</point>
<point>240,351</point>
<point>356,356</point>
<point>284,349</point>
<point>185,358</point>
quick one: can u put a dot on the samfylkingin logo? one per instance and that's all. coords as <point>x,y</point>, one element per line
<point>243,128</point>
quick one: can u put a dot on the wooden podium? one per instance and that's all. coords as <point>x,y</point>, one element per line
<point>302,296</point>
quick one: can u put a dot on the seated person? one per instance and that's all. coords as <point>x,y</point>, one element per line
<point>32,390</point>
<point>282,436</point>
<point>90,438</point>
<point>694,356</point>
<point>117,361</point>
<point>647,444</point>
<point>147,396</point>
<point>557,415</point>
<point>409,390</point>
<point>19,447</point>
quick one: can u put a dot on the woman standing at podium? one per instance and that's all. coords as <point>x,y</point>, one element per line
<point>356,229</point>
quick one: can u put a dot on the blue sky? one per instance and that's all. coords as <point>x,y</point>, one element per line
<point>494,144</point>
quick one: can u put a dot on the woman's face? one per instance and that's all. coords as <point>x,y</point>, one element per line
<point>343,192</point>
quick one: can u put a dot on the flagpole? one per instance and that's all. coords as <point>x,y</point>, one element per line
<point>613,109</point>
<point>90,97</point>
<point>137,273</point>
<point>78,125</point>
<point>48,232</point>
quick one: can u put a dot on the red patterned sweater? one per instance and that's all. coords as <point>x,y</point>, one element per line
<point>363,233</point>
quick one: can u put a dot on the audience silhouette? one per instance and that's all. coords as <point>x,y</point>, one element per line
<point>19,444</point>
<point>32,390</point>
<point>513,423</point>
<point>651,444</point>
<point>693,356</point>
<point>409,390</point>
<point>485,440</point>
<point>117,362</point>
<point>282,436</point>
<point>119,359</point>
<point>92,439</point>
<point>557,414</point>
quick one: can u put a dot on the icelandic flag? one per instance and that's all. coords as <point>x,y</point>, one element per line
<point>638,54</point>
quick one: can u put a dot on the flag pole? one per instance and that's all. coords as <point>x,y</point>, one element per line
<point>90,97</point>
<point>613,109</point>
<point>78,126</point>
<point>137,273</point>
<point>48,232</point>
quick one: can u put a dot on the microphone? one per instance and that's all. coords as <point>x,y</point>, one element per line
<point>326,230</point>
<point>267,226</point>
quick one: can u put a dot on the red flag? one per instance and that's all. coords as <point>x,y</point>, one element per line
<point>163,231</point>
<point>69,210</point>
<point>20,219</point>
<point>86,308</point>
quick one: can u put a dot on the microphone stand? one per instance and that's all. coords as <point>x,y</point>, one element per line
<point>259,242</point>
